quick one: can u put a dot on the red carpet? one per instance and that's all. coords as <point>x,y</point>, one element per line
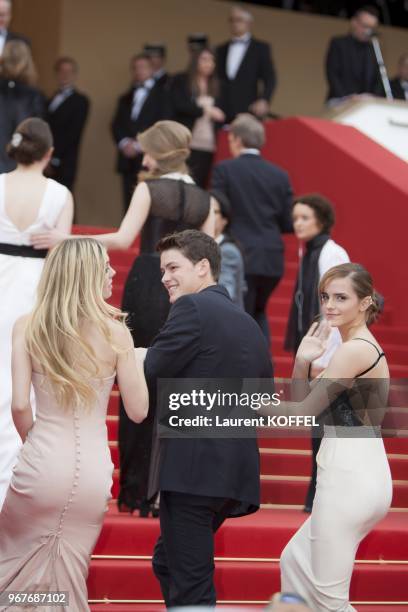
<point>247,549</point>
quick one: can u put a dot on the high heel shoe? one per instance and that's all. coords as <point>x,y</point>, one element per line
<point>155,511</point>
<point>146,508</point>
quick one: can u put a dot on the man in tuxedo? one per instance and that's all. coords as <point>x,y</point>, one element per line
<point>157,54</point>
<point>5,18</point>
<point>67,114</point>
<point>351,66</point>
<point>138,109</point>
<point>245,69</point>
<point>399,84</point>
<point>202,480</point>
<point>261,199</point>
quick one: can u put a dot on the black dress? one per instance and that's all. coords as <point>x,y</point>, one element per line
<point>175,205</point>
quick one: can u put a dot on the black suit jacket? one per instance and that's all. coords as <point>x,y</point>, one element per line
<point>396,89</point>
<point>207,336</point>
<point>123,125</point>
<point>67,123</point>
<point>261,200</point>
<point>256,78</point>
<point>351,68</point>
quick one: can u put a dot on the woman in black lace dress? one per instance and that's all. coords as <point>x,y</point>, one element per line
<point>165,200</point>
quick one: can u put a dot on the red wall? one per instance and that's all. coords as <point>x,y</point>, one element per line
<point>368,186</point>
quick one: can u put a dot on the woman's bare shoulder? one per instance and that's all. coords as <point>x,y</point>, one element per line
<point>120,334</point>
<point>349,360</point>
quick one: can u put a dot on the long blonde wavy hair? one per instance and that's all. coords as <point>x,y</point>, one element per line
<point>70,292</point>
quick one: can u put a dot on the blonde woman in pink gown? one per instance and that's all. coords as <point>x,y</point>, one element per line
<point>70,348</point>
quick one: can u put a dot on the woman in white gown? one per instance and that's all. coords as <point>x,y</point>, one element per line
<point>28,203</point>
<point>354,486</point>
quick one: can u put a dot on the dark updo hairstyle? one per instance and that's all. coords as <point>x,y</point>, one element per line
<point>362,285</point>
<point>224,203</point>
<point>322,208</point>
<point>30,141</point>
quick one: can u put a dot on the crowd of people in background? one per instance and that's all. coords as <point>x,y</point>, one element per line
<point>218,83</point>
<point>392,12</point>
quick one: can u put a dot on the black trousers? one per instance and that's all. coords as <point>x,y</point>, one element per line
<point>259,289</point>
<point>183,559</point>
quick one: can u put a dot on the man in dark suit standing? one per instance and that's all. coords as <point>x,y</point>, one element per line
<point>5,18</point>
<point>351,66</point>
<point>67,114</point>
<point>245,69</point>
<point>138,109</point>
<point>157,54</point>
<point>399,84</point>
<point>261,199</point>
<point>202,480</point>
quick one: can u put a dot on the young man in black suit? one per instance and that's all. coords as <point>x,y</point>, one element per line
<point>351,66</point>
<point>245,69</point>
<point>202,480</point>
<point>67,114</point>
<point>399,84</point>
<point>261,200</point>
<point>5,18</point>
<point>138,109</point>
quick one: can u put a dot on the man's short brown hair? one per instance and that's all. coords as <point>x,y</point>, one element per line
<point>195,246</point>
<point>249,129</point>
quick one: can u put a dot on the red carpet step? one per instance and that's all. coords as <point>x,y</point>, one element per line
<point>234,580</point>
<point>291,490</point>
<point>228,608</point>
<point>262,535</point>
<point>153,607</point>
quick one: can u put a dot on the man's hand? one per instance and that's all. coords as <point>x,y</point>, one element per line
<point>47,239</point>
<point>130,148</point>
<point>260,108</point>
<point>140,353</point>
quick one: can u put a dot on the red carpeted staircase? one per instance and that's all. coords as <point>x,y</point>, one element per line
<point>248,549</point>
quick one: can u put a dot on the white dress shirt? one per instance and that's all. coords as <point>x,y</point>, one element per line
<point>250,152</point>
<point>404,85</point>
<point>3,36</point>
<point>139,97</point>
<point>59,98</point>
<point>236,51</point>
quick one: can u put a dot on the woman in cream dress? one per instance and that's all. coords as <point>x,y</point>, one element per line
<point>354,486</point>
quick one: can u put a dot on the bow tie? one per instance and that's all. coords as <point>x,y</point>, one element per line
<point>148,84</point>
<point>239,41</point>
